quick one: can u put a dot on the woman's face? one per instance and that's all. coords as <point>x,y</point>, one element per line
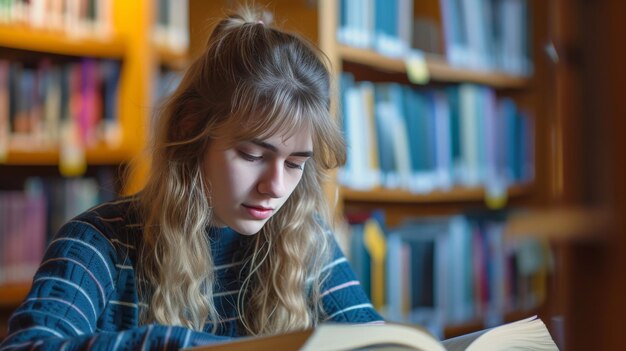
<point>251,180</point>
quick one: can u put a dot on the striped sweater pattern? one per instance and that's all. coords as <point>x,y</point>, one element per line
<point>84,294</point>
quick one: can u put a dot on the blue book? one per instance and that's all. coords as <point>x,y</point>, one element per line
<point>455,129</point>
<point>384,133</point>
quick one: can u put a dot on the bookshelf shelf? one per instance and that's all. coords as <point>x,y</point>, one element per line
<point>457,194</point>
<point>173,59</point>
<point>13,294</point>
<point>438,68</point>
<point>26,38</point>
<point>47,156</point>
<point>561,224</point>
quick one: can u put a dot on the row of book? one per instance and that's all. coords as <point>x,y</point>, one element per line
<point>488,34</point>
<point>401,136</point>
<point>476,34</point>
<point>29,218</point>
<point>50,103</point>
<point>75,18</point>
<point>96,19</point>
<point>442,271</point>
<point>383,25</point>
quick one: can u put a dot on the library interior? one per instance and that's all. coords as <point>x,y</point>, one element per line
<point>481,185</point>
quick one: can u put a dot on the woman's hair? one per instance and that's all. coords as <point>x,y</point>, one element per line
<point>251,82</point>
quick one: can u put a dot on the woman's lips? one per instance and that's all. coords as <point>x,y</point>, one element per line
<point>258,212</point>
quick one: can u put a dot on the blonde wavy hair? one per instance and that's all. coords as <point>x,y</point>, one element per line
<point>252,81</point>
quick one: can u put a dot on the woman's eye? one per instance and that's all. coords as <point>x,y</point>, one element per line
<point>294,165</point>
<point>246,156</point>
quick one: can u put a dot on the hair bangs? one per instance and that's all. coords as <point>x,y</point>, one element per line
<point>260,117</point>
<point>285,113</point>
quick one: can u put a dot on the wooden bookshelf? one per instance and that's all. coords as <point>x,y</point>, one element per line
<point>367,61</point>
<point>130,45</point>
<point>27,38</point>
<point>398,206</point>
<point>439,70</point>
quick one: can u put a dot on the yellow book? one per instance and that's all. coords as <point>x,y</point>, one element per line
<point>376,246</point>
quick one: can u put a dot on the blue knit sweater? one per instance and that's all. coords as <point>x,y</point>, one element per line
<point>84,295</point>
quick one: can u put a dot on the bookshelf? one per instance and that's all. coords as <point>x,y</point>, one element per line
<point>367,63</point>
<point>122,32</point>
<point>577,198</point>
<point>587,79</point>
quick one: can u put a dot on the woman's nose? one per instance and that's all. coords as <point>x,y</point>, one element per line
<point>273,181</point>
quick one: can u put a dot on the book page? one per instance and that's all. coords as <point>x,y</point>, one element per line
<point>460,343</point>
<point>330,337</point>
<point>525,334</point>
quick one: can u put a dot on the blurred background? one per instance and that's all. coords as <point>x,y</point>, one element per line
<point>482,184</point>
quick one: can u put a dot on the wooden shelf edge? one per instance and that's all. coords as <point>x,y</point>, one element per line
<point>175,60</point>
<point>50,156</point>
<point>27,38</point>
<point>456,194</point>
<point>560,224</point>
<point>13,294</point>
<point>438,68</point>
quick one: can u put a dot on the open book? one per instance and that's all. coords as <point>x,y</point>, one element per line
<point>526,334</point>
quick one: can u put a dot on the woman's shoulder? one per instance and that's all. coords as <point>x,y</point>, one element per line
<point>116,220</point>
<point>123,209</point>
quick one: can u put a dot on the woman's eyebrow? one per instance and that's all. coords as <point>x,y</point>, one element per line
<point>274,149</point>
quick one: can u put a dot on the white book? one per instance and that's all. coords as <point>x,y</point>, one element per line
<point>178,31</point>
<point>455,35</point>
<point>443,141</point>
<point>468,172</point>
<point>526,334</point>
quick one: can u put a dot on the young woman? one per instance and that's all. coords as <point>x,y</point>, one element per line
<point>229,237</point>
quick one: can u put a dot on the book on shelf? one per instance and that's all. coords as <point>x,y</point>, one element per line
<point>482,35</point>
<point>487,35</point>
<point>527,334</point>
<point>171,27</point>
<point>385,26</point>
<point>29,217</point>
<point>39,102</point>
<point>72,18</point>
<point>423,140</point>
<point>448,270</point>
